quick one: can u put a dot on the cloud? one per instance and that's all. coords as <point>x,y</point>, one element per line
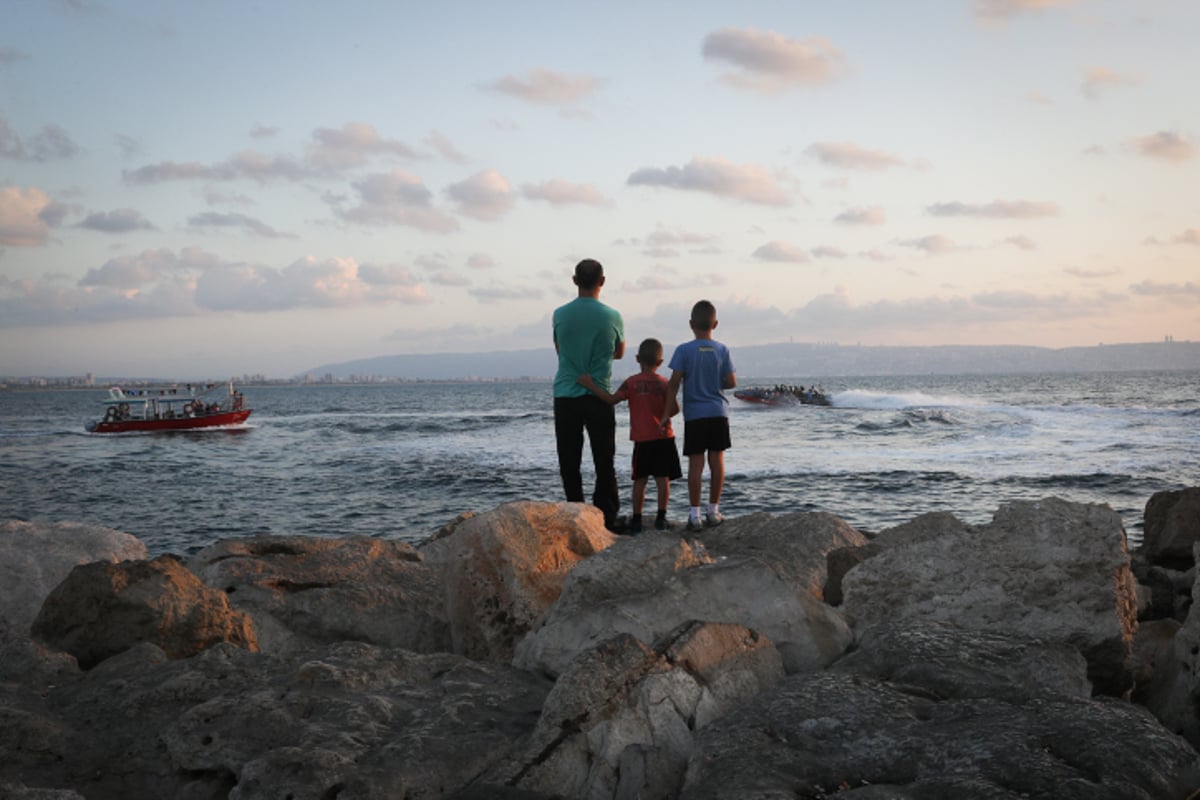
<point>559,192</point>
<point>247,164</point>
<point>828,251</point>
<point>446,277</point>
<point>213,219</point>
<point>544,87</point>
<point>997,209</point>
<point>486,195</point>
<point>1079,272</point>
<point>848,155</point>
<point>48,144</point>
<point>1183,292</point>
<point>1039,99</point>
<point>1006,9</point>
<point>352,145</point>
<point>128,145</point>
<point>26,216</point>
<point>11,55</point>
<point>781,252</point>
<point>496,293</point>
<point>1164,145</point>
<point>260,131</point>
<point>480,261</point>
<point>1098,79</point>
<point>122,220</point>
<point>1023,242</point>
<point>873,215</point>
<point>771,62</point>
<point>446,148</point>
<point>934,245</point>
<point>748,182</point>
<point>663,241</point>
<point>306,283</point>
<point>1189,236</point>
<point>396,198</point>
<point>134,273</point>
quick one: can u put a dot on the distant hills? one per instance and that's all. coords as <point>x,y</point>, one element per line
<point>797,360</point>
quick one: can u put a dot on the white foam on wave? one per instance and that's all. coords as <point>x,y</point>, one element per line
<point>865,398</point>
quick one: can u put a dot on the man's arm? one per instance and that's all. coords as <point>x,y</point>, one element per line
<point>729,381</point>
<point>619,351</point>
<point>585,380</point>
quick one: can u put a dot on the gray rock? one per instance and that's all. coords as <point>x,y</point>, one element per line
<point>503,568</point>
<point>304,591</point>
<point>347,720</point>
<point>817,735</point>
<point>620,721</point>
<point>1172,527</point>
<point>1049,570</point>
<point>948,663</point>
<point>649,585</point>
<point>102,609</point>
<point>1173,694</point>
<point>36,556</point>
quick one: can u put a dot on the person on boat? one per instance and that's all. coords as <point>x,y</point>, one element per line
<point>704,368</point>
<point>588,336</point>
<point>654,451</point>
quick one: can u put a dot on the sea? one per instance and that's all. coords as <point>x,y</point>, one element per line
<point>401,460</point>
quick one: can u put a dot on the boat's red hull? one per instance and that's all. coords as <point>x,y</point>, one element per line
<point>177,424</point>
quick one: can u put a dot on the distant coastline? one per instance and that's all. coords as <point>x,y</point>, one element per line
<point>809,361</point>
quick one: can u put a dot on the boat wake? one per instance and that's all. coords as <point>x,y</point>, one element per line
<point>890,401</point>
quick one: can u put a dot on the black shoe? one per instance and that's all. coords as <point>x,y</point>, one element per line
<point>635,526</point>
<point>661,524</point>
<point>619,525</point>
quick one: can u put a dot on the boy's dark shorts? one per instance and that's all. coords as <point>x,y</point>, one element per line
<point>705,435</point>
<point>657,458</point>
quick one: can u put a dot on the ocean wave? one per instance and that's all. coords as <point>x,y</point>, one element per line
<point>896,401</point>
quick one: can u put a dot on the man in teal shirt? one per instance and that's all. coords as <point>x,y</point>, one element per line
<point>588,335</point>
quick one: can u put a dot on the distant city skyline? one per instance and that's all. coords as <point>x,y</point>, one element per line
<point>229,188</point>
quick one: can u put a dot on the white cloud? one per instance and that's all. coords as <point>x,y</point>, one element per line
<point>768,61</point>
<point>396,198</point>
<point>748,182</point>
<point>1098,79</point>
<point>1181,292</point>
<point>848,155</point>
<point>496,293</point>
<point>782,252</point>
<point>485,195</point>
<point>446,149</point>
<point>1005,9</point>
<point>828,251</point>
<point>26,216</point>
<point>934,245</point>
<point>122,220</point>
<point>559,192</point>
<point>48,144</point>
<point>1164,145</point>
<point>352,145</point>
<point>480,261</point>
<point>213,219</point>
<point>546,87</point>
<point>1022,242</point>
<point>873,215</point>
<point>997,209</point>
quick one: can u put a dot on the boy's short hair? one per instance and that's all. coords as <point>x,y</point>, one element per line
<point>588,273</point>
<point>704,314</point>
<point>650,352</point>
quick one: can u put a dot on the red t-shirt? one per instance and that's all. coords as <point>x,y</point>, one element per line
<point>646,393</point>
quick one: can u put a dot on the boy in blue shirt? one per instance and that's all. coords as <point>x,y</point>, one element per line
<point>704,368</point>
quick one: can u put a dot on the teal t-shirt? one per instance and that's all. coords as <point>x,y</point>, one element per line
<point>586,333</point>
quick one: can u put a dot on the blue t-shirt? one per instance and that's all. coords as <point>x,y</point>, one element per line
<point>586,333</point>
<point>704,364</point>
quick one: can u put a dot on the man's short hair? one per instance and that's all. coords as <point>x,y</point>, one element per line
<point>588,273</point>
<point>704,314</point>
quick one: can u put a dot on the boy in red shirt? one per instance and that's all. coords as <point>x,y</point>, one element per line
<point>654,452</point>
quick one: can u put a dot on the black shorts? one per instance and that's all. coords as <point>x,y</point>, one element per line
<point>705,435</point>
<point>657,458</point>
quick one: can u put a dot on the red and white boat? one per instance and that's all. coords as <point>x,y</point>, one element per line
<point>171,408</point>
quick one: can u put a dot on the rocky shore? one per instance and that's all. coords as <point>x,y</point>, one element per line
<point>528,653</point>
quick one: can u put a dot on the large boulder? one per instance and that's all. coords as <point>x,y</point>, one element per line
<point>36,556</point>
<point>1172,527</point>
<point>343,720</point>
<point>649,585</point>
<point>503,568</point>
<point>1173,694</point>
<point>102,609</point>
<point>1050,570</point>
<point>303,591</point>
<point>836,734</point>
<point>621,719</point>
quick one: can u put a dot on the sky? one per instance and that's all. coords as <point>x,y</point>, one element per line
<point>226,188</point>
